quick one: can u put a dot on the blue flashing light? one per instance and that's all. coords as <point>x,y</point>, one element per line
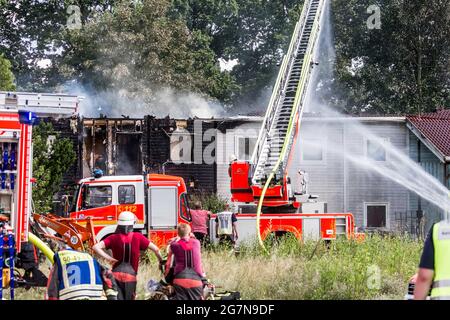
<point>28,117</point>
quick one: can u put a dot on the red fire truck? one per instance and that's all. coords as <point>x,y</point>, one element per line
<point>18,114</point>
<point>264,180</point>
<point>158,201</point>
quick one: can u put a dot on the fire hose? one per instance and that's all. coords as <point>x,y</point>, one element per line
<point>41,245</point>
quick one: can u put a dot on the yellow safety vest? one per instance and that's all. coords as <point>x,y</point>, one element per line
<point>441,281</point>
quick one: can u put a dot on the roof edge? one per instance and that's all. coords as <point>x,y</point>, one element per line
<point>430,145</point>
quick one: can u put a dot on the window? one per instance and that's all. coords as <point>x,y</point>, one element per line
<point>376,150</point>
<point>98,196</point>
<point>244,147</point>
<point>163,207</point>
<point>185,211</point>
<point>313,150</point>
<point>126,194</point>
<point>376,215</point>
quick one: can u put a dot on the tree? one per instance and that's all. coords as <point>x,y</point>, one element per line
<point>6,76</point>
<point>254,32</point>
<point>403,67</point>
<point>32,31</point>
<point>138,47</point>
<point>51,159</point>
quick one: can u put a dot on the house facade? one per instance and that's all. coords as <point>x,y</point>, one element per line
<point>322,151</point>
<point>345,158</point>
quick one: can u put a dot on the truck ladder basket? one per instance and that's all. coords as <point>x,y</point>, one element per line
<point>286,104</point>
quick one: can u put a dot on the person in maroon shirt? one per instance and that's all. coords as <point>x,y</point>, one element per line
<point>126,247</point>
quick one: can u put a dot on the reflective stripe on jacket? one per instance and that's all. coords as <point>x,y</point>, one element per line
<point>79,276</point>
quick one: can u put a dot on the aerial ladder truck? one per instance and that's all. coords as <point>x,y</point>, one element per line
<point>264,179</point>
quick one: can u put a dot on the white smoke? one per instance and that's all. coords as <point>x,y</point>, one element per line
<point>158,102</point>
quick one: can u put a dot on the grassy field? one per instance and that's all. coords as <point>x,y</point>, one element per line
<point>378,268</point>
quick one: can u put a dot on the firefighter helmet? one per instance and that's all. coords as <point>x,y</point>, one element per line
<point>126,218</point>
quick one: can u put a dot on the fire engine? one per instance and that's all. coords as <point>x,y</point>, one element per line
<point>264,179</point>
<point>158,201</point>
<point>18,114</point>
<point>19,111</point>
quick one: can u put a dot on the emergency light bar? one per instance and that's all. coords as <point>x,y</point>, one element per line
<point>28,117</point>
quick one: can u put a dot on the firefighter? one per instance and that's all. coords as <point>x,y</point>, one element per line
<point>126,246</point>
<point>226,227</point>
<point>77,276</point>
<point>188,275</point>
<point>434,267</point>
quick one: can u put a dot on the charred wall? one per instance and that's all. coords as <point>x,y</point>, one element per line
<point>112,145</point>
<point>133,146</point>
<point>160,136</point>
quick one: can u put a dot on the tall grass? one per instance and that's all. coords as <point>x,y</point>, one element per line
<point>311,270</point>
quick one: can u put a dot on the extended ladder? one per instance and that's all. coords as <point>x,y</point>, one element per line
<point>285,108</point>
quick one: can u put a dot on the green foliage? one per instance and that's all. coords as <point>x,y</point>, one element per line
<point>135,46</point>
<point>404,65</point>
<point>6,76</point>
<point>210,201</point>
<point>50,162</point>
<point>311,270</point>
<point>139,47</point>
<point>254,32</point>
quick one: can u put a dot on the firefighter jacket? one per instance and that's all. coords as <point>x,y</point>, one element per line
<point>441,281</point>
<point>75,276</point>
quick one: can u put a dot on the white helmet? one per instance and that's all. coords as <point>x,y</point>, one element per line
<point>126,218</point>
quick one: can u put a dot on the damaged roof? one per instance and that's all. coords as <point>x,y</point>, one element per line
<point>435,128</point>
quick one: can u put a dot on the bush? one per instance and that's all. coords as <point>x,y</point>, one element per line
<point>210,201</point>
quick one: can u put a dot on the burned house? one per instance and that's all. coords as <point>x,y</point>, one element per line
<point>177,147</point>
<point>112,145</point>
<point>127,146</point>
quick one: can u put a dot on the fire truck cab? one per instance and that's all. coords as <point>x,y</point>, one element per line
<point>159,202</point>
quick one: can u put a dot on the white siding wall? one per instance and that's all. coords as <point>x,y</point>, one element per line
<point>226,147</point>
<point>344,186</point>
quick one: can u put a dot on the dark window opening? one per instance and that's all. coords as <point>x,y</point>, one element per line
<point>376,216</point>
<point>128,160</point>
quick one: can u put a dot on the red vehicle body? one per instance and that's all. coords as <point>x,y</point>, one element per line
<point>286,211</point>
<point>158,201</point>
<point>15,176</point>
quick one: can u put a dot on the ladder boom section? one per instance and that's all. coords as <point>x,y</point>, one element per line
<point>42,104</point>
<point>285,108</point>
